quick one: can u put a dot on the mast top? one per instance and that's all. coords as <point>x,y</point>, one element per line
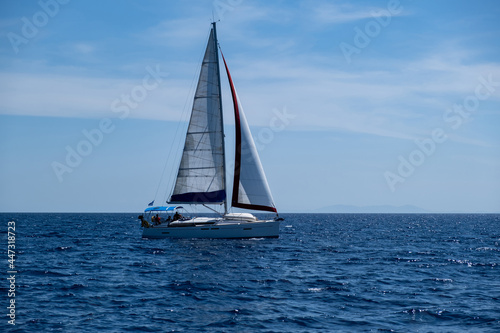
<point>215,33</point>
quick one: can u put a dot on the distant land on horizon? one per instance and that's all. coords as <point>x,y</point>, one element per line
<point>370,209</point>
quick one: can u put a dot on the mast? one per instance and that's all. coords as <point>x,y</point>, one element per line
<point>216,43</point>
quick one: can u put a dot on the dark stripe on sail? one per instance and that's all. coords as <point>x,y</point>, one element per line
<point>254,207</point>
<point>237,153</point>
<point>199,197</point>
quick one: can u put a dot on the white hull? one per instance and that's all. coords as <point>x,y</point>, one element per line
<point>214,228</point>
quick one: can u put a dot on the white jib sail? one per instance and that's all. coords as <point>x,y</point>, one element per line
<point>250,188</point>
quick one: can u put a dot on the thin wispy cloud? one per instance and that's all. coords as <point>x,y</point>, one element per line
<point>337,13</point>
<point>84,48</point>
<point>176,33</point>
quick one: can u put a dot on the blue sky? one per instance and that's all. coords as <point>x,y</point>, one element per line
<point>351,103</point>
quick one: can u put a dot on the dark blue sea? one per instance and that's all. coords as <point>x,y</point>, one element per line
<point>326,273</point>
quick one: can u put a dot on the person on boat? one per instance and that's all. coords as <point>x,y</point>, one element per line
<point>157,219</point>
<point>144,223</point>
<point>177,216</point>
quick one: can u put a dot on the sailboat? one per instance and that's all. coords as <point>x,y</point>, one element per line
<point>201,178</point>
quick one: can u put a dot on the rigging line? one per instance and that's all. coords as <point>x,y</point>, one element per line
<point>168,159</point>
<point>213,210</point>
<point>177,137</point>
<point>161,178</point>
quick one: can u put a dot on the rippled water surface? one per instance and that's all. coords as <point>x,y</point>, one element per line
<point>326,273</point>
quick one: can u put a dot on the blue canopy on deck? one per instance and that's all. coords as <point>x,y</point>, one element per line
<point>162,209</point>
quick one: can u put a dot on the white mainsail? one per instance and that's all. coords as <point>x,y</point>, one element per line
<point>201,176</point>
